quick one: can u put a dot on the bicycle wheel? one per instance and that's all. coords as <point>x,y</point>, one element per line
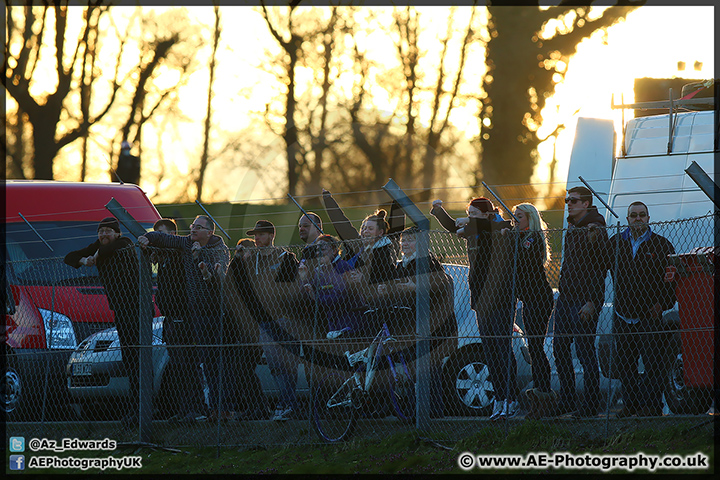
<point>402,388</point>
<point>335,407</point>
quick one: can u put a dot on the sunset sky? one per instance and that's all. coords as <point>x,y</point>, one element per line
<point>650,43</point>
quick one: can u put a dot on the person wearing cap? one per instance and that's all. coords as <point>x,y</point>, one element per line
<point>117,266</point>
<point>490,281</point>
<point>271,272</point>
<point>205,258</point>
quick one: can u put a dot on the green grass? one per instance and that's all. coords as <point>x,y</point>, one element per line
<point>407,453</point>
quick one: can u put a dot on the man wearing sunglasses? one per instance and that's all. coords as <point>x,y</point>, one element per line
<point>641,296</point>
<point>205,258</point>
<point>581,296</point>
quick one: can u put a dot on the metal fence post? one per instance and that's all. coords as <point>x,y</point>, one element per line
<point>422,306</point>
<point>146,373</point>
<point>145,315</point>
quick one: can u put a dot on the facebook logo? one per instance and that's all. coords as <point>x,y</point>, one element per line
<point>17,462</point>
<point>17,444</point>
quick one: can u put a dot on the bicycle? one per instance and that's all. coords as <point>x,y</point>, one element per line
<point>336,410</point>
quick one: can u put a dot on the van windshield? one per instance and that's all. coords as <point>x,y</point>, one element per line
<point>30,262</point>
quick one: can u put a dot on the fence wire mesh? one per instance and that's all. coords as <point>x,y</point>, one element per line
<point>307,343</point>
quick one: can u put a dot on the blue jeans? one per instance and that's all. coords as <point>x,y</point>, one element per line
<point>569,327</point>
<point>496,330</point>
<point>283,358</point>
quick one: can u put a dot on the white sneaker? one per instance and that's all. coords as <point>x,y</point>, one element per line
<point>511,408</point>
<point>283,413</point>
<point>497,410</point>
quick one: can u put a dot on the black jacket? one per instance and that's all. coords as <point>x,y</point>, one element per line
<point>640,280</point>
<point>479,236</point>
<point>584,263</point>
<point>171,298</point>
<point>118,269</point>
<point>531,282</point>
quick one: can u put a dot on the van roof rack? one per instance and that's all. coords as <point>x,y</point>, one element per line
<point>685,101</point>
<point>667,104</point>
<point>673,107</point>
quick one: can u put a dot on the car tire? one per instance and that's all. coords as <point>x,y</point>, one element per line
<point>14,392</point>
<point>468,391</point>
<point>682,399</point>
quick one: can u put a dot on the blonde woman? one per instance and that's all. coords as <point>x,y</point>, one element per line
<point>537,298</point>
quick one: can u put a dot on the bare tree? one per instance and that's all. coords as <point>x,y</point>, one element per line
<point>170,41</point>
<point>311,37</point>
<point>398,145</point>
<point>291,43</point>
<point>49,121</point>
<point>43,114</point>
<point>208,118</point>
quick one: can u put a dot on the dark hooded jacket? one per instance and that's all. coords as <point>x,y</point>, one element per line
<point>117,266</point>
<point>584,263</point>
<point>479,236</point>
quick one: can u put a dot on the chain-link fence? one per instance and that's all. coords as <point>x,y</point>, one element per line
<point>274,345</point>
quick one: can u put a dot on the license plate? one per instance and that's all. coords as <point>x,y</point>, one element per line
<point>81,369</point>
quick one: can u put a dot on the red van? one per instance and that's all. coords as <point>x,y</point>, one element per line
<point>51,307</point>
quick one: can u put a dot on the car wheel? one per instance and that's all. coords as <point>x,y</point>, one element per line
<point>682,399</point>
<point>13,390</point>
<point>468,391</point>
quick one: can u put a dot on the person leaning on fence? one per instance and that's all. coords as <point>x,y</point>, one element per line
<point>641,296</point>
<point>205,258</point>
<point>370,251</point>
<point>117,266</point>
<point>490,261</point>
<point>309,234</point>
<point>581,296</point>
<point>272,273</point>
<point>534,291</point>
<point>323,281</point>
<point>243,313</point>
<point>478,245</point>
<point>183,369</point>
<point>338,308</point>
<point>442,322</point>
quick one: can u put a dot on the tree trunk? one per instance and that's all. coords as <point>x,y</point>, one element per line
<point>208,115</point>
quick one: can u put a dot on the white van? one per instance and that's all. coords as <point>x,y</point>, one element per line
<point>655,152</point>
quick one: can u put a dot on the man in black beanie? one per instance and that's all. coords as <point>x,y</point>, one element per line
<point>117,266</point>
